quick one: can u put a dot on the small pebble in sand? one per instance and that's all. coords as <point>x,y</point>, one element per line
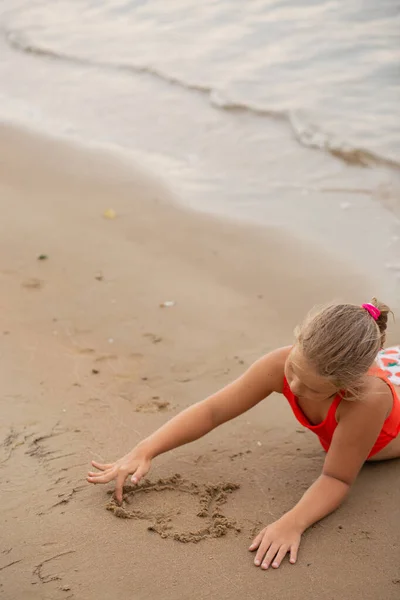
<point>167,304</point>
<point>95,371</point>
<point>109,213</point>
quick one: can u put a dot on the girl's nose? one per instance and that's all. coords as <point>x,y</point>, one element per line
<point>296,387</point>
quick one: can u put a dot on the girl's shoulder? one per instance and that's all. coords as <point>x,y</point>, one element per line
<point>274,363</point>
<point>376,397</point>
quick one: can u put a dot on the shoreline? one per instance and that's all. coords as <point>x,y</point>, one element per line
<point>91,363</point>
<point>370,215</point>
<point>283,185</point>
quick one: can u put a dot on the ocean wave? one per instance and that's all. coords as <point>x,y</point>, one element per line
<point>306,133</point>
<point>312,136</point>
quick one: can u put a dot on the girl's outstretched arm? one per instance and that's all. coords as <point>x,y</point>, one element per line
<point>260,380</point>
<point>351,444</point>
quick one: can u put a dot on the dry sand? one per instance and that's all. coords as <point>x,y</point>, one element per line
<point>91,363</point>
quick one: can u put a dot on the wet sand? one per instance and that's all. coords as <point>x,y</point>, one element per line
<point>92,361</point>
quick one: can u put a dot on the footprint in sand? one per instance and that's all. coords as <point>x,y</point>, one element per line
<point>176,509</point>
<point>155,339</point>
<point>33,284</point>
<point>240,454</point>
<point>155,405</point>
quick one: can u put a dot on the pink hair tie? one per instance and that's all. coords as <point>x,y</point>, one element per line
<point>373,311</point>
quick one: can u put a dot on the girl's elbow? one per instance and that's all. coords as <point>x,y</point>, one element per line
<point>344,480</point>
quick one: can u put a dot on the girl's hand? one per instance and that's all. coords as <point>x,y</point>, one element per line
<point>275,541</point>
<point>135,462</point>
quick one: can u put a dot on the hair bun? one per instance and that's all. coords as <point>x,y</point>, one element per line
<point>382,320</point>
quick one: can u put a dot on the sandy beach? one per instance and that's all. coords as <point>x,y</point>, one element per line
<point>111,326</point>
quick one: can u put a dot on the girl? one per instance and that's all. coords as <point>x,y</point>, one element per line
<point>339,383</point>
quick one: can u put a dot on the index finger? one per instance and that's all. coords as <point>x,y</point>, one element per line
<point>119,485</point>
<point>257,540</point>
<point>293,553</point>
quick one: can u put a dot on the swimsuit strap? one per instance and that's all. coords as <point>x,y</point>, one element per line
<point>333,407</point>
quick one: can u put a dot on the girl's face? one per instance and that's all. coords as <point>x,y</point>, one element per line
<point>304,382</point>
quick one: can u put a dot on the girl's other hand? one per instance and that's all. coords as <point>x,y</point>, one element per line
<point>135,463</point>
<point>275,541</point>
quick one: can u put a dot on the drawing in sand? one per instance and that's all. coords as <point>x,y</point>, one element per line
<point>340,383</point>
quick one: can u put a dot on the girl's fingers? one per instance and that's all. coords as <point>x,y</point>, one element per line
<point>101,473</point>
<point>119,486</point>
<point>262,550</point>
<point>293,552</point>
<point>101,466</point>
<point>257,541</point>
<point>135,477</point>
<point>97,475</point>
<point>280,556</point>
<point>102,477</point>
<point>270,555</point>
<point>139,473</point>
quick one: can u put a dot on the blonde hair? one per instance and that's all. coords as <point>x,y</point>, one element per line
<point>341,342</point>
